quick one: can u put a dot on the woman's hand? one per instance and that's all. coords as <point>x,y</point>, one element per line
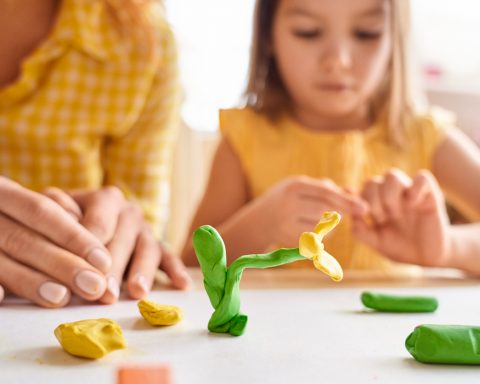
<point>408,222</point>
<point>296,204</point>
<point>44,253</point>
<point>120,225</point>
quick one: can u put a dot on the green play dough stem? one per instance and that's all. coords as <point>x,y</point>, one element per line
<point>223,285</point>
<point>445,344</point>
<point>393,303</point>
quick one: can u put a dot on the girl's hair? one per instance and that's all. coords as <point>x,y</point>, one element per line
<point>394,101</point>
<point>133,17</point>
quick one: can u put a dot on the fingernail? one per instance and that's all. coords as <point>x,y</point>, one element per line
<point>90,282</point>
<point>142,282</point>
<point>113,287</point>
<point>100,259</point>
<point>53,292</point>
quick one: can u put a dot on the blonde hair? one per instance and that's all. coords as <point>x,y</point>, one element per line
<point>393,103</point>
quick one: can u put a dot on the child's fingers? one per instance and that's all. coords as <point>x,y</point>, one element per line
<point>65,201</point>
<point>424,192</point>
<point>328,193</point>
<point>364,232</point>
<point>101,209</point>
<point>371,194</point>
<point>122,247</point>
<point>144,265</point>
<point>44,216</point>
<point>33,250</point>
<point>392,192</point>
<point>32,285</point>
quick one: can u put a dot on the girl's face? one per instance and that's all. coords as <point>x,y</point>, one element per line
<point>332,55</point>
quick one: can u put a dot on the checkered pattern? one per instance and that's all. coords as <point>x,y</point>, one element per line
<point>93,107</point>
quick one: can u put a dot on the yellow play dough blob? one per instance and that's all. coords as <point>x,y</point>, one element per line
<point>159,314</point>
<point>91,339</point>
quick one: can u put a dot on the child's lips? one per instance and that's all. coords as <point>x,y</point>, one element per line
<point>335,86</point>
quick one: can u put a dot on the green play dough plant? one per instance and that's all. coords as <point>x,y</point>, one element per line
<point>445,344</point>
<point>223,285</point>
<point>394,303</point>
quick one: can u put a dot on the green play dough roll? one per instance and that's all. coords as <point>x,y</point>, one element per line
<point>445,344</point>
<point>394,303</point>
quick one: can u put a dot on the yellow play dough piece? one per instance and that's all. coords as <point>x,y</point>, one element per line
<point>311,246</point>
<point>91,339</point>
<point>159,314</point>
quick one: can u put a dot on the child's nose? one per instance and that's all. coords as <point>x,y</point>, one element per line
<point>336,56</point>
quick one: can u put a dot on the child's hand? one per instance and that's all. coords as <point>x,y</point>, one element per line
<point>408,221</point>
<point>44,253</point>
<point>120,225</point>
<point>295,205</point>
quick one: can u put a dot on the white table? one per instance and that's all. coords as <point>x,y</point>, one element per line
<point>317,332</point>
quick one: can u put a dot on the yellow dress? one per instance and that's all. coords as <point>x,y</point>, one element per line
<point>93,107</point>
<point>270,152</point>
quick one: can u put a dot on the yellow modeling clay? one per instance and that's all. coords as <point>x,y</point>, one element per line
<point>159,314</point>
<point>91,339</point>
<point>311,246</point>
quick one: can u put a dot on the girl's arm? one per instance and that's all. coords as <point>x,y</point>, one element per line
<point>456,166</point>
<point>276,218</point>
<point>224,206</point>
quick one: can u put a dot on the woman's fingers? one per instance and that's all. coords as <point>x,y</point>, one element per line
<point>145,262</point>
<point>63,199</point>
<point>32,285</point>
<point>101,209</point>
<point>2,293</point>
<point>33,250</point>
<point>46,217</point>
<point>121,247</point>
<point>174,268</point>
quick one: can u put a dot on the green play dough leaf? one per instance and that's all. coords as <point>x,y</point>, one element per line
<point>445,344</point>
<point>393,303</point>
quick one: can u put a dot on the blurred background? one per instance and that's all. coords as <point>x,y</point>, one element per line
<point>214,40</point>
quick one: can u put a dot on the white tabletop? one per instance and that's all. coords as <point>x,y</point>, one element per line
<point>303,335</point>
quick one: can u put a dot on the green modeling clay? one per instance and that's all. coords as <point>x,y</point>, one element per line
<point>392,303</point>
<point>223,284</point>
<point>445,344</point>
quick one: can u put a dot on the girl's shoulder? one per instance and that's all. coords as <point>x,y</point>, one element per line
<point>434,119</point>
<point>430,126</point>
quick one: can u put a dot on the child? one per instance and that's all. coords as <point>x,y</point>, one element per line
<point>88,99</point>
<point>331,124</point>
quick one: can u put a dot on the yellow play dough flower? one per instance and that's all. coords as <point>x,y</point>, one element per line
<point>311,246</point>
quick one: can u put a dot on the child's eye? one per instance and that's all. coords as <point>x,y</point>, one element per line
<point>307,34</point>
<point>367,35</point>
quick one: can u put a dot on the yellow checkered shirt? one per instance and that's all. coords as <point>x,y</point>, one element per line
<point>92,107</point>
